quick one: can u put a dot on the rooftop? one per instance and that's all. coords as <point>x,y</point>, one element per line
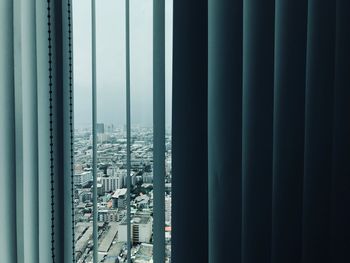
<point>119,192</point>
<point>140,219</point>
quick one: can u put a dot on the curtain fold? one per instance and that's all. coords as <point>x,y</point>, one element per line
<point>257,129</point>
<point>318,130</point>
<point>35,177</point>
<point>225,131</point>
<point>26,131</point>
<point>261,131</point>
<point>340,181</point>
<point>189,132</point>
<point>7,137</point>
<point>289,122</point>
<point>278,130</point>
<point>159,130</point>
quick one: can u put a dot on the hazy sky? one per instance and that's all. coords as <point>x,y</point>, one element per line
<point>110,51</point>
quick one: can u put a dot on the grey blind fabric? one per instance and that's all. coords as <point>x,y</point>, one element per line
<point>159,130</point>
<point>277,106</point>
<point>94,124</point>
<point>227,129</point>
<point>7,139</point>
<point>128,126</point>
<point>189,132</point>
<point>36,193</point>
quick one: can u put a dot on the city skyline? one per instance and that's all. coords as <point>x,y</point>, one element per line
<point>110,23</point>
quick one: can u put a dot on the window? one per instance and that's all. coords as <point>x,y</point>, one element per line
<point>111,132</point>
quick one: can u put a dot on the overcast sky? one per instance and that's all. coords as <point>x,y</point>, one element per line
<point>110,51</point>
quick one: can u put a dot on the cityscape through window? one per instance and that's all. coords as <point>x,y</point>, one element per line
<point>111,130</point>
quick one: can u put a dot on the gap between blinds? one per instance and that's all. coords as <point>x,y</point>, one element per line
<point>158,128</point>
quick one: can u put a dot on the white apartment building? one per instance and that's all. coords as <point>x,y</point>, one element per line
<point>141,228</point>
<point>147,178</point>
<point>108,215</point>
<point>111,183</point>
<point>82,178</point>
<point>119,198</point>
<point>168,209</point>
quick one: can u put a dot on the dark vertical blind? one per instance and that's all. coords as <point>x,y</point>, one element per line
<point>225,130</point>
<point>278,134</point>
<point>258,82</point>
<point>318,130</point>
<point>189,127</point>
<point>288,132</point>
<point>340,197</point>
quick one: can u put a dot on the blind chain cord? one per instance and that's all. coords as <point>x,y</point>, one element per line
<point>51,132</point>
<point>71,126</point>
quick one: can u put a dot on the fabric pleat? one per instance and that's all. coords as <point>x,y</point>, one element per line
<point>35,135</point>
<point>278,130</point>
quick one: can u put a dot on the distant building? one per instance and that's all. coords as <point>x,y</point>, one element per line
<point>108,215</point>
<point>82,243</point>
<point>100,128</point>
<point>168,209</point>
<point>102,137</point>
<point>82,178</point>
<point>114,179</point>
<point>111,183</point>
<point>85,196</point>
<point>144,254</point>
<point>168,165</point>
<point>119,198</point>
<point>100,189</point>
<point>110,128</point>
<point>147,178</point>
<point>141,228</point>
<point>142,201</point>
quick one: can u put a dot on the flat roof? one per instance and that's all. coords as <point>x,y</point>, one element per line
<point>139,219</point>
<point>81,243</point>
<point>119,192</point>
<point>109,237</point>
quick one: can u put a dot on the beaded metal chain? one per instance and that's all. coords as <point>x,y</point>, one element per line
<point>51,132</point>
<point>71,126</point>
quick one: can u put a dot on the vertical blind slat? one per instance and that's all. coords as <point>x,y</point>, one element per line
<point>30,139</point>
<point>225,129</point>
<point>7,138</point>
<point>159,130</point>
<point>189,132</point>
<point>128,127</point>
<point>68,130</point>
<point>258,83</point>
<point>94,135</point>
<point>44,202</point>
<point>288,142</point>
<point>58,130</point>
<point>340,198</point>
<point>18,87</point>
<point>318,130</point>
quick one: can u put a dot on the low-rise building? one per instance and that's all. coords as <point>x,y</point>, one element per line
<point>108,215</point>
<point>141,228</point>
<point>82,178</point>
<point>111,183</point>
<point>119,198</point>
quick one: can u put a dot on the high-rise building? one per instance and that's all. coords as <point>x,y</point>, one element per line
<point>119,198</point>
<point>112,183</point>
<point>168,209</point>
<point>147,178</point>
<point>82,178</point>
<point>100,128</point>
